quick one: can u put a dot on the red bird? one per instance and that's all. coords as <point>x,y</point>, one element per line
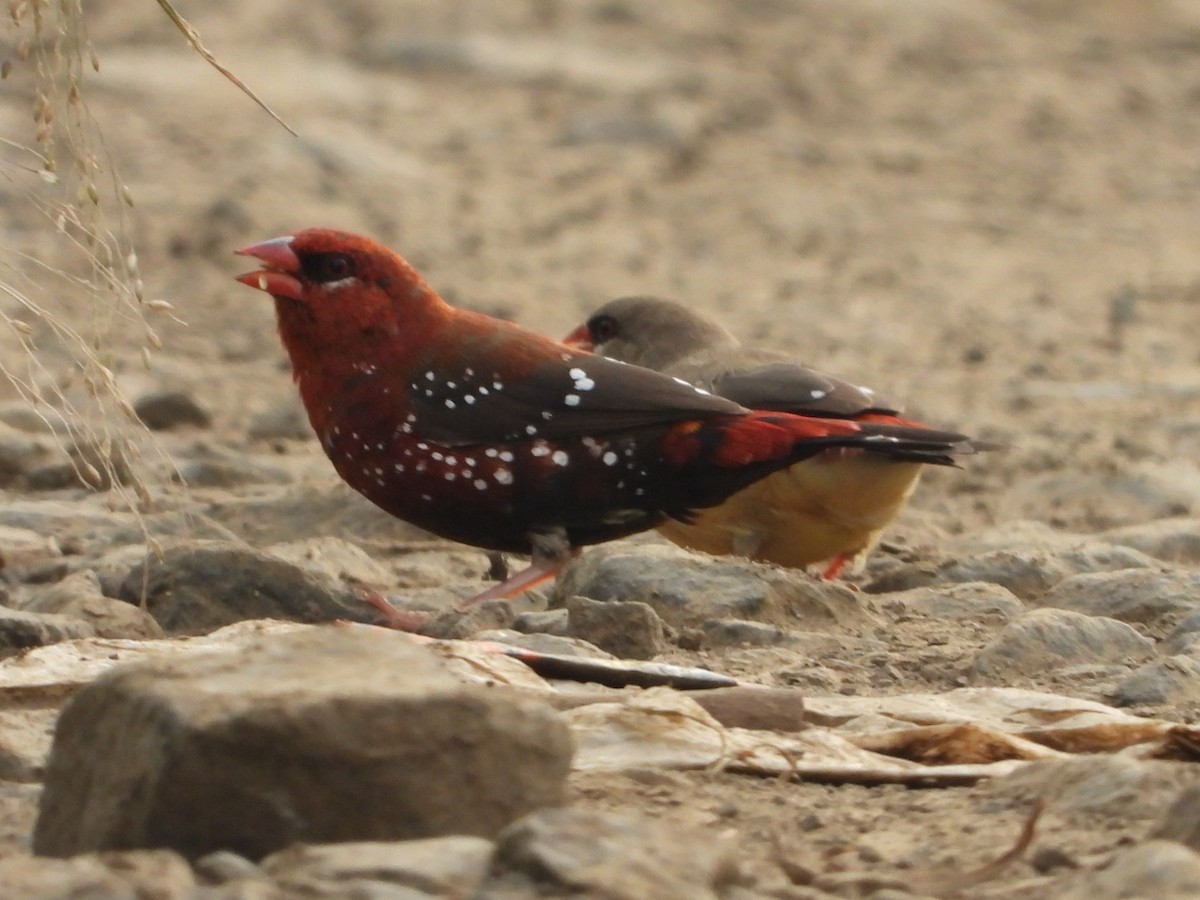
<point>486,433</point>
<point>830,506</point>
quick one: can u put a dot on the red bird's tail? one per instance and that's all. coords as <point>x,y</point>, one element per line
<point>732,442</point>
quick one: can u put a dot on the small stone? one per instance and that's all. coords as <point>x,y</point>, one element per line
<point>21,547</point>
<point>586,853</point>
<point>136,874</point>
<point>452,866</point>
<point>741,633</point>
<point>20,630</point>
<point>199,586</point>
<point>1184,636</point>
<point>230,473</point>
<point>171,409</point>
<point>544,643</point>
<point>1046,639</point>
<point>687,589</point>
<point>1175,540</point>
<point>629,630</point>
<point>318,735</point>
<point>285,421</point>
<point>1050,859</point>
<point>544,621</point>
<point>1160,869</point>
<point>1119,788</point>
<point>20,454</point>
<point>225,865</point>
<point>79,595</point>
<point>1027,572</point>
<point>1175,679</point>
<point>974,600</point>
<point>1181,823</point>
<point>1130,595</point>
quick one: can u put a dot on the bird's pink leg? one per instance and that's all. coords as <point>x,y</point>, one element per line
<point>400,619</point>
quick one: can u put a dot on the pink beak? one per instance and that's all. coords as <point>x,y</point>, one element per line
<point>280,268</point>
<point>580,339</point>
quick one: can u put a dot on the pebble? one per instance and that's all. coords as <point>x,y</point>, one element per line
<point>1181,822</point>
<point>974,600</point>
<point>544,621</point>
<point>451,866</point>
<point>316,735</point>
<point>1027,572</point>
<point>131,874</point>
<point>1185,636</point>
<point>626,629</point>
<point>1175,679</point>
<point>687,589</point>
<point>167,410</point>
<point>284,421</point>
<point>20,630</point>
<point>1160,869</point>
<point>588,853</point>
<point>1175,539</point>
<point>1145,596</point>
<point>79,595</point>
<point>20,454</point>
<point>1046,639</point>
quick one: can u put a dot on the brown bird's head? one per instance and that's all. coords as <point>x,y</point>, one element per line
<point>334,290</point>
<point>650,332</point>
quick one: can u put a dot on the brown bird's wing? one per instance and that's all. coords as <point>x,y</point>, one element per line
<point>789,387</point>
<point>548,392</point>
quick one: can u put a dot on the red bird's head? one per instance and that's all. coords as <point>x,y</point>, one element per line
<point>334,290</point>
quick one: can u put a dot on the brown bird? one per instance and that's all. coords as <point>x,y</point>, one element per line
<point>831,506</point>
<point>483,432</point>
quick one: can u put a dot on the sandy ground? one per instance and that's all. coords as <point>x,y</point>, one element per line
<point>987,209</point>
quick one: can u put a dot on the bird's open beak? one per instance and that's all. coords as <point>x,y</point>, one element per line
<point>280,268</point>
<point>580,339</point>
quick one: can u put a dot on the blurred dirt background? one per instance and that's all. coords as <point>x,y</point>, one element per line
<point>985,209</point>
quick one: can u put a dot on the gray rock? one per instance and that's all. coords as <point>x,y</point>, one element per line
<point>1184,637</point>
<point>25,736</point>
<point>231,473</point>
<point>171,409</point>
<point>686,589</point>
<point>1163,870</point>
<point>741,633</point>
<point>1130,595</point>
<point>284,421</point>
<point>544,643</point>
<point>20,630</point>
<point>20,454</point>
<point>319,735</point>
<point>1174,540</point>
<point>626,629</point>
<point>79,596</point>
<point>225,865</point>
<point>21,547</point>
<point>1181,822</point>
<point>120,876</point>
<point>201,585</point>
<point>451,866</point>
<point>974,600</point>
<point>1028,573</point>
<point>585,853</point>
<point>1175,679</point>
<point>1118,788</point>
<point>544,621</point>
<point>1047,639</point>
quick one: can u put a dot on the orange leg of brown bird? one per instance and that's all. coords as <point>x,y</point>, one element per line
<point>834,569</point>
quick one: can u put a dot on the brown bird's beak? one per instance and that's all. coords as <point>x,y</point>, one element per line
<point>580,339</point>
<point>280,268</point>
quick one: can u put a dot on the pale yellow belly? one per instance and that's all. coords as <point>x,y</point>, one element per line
<point>836,503</point>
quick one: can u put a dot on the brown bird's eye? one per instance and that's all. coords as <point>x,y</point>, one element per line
<point>602,328</point>
<point>323,267</point>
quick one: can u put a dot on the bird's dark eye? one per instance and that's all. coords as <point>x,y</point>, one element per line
<point>602,329</point>
<point>323,267</point>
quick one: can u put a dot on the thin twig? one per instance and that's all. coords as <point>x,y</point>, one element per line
<point>193,38</point>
